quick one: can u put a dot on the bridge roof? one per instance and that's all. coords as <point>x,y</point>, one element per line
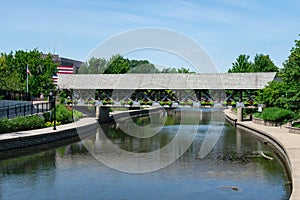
<point>166,81</point>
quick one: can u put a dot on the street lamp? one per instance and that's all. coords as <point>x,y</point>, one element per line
<point>52,97</point>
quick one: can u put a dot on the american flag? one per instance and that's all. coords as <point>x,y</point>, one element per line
<point>28,72</point>
<point>62,70</point>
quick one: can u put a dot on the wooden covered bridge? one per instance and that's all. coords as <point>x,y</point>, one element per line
<point>161,87</point>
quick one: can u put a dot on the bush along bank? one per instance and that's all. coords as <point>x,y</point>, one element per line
<point>276,115</point>
<point>21,124</point>
<point>63,116</point>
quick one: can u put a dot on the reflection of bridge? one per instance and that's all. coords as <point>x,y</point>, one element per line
<point>161,87</point>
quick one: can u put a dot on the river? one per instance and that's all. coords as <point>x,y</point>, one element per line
<point>233,169</point>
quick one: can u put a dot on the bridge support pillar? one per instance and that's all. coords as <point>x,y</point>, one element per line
<point>240,114</point>
<point>102,114</point>
<point>241,96</point>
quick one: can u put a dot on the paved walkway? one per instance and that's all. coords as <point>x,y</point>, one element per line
<point>289,141</point>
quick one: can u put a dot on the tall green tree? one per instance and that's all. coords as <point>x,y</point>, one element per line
<point>241,65</point>
<point>144,69</point>
<point>291,75</point>
<point>93,66</point>
<point>291,70</point>
<point>13,71</point>
<point>117,65</point>
<point>263,63</point>
<point>285,93</point>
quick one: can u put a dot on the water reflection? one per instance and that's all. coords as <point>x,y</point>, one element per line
<point>70,172</point>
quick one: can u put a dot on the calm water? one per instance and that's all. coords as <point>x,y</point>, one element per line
<point>232,170</point>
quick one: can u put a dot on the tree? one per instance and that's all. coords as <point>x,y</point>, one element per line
<point>184,71</point>
<point>241,65</point>
<point>93,66</point>
<point>274,94</point>
<point>263,63</point>
<point>13,71</point>
<point>285,93</point>
<point>291,68</point>
<point>169,70</point>
<point>144,69</point>
<point>291,75</point>
<point>181,70</point>
<point>117,65</point>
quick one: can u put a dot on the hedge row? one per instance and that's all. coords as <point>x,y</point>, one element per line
<point>21,123</point>
<point>276,114</point>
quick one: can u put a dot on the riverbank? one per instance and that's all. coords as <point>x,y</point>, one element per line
<point>22,139</point>
<point>287,143</point>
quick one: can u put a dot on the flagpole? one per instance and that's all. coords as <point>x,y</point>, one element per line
<point>27,78</point>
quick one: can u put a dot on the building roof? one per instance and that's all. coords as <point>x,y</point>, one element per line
<point>166,81</point>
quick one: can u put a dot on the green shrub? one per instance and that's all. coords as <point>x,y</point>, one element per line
<point>77,115</point>
<point>130,103</point>
<point>63,114</point>
<point>108,101</point>
<point>142,102</point>
<point>246,103</point>
<point>166,103</point>
<point>207,103</point>
<point>127,102</point>
<point>50,124</point>
<point>257,115</point>
<point>276,114</point>
<point>21,123</point>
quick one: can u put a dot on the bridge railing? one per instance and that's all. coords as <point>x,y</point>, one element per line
<point>23,109</point>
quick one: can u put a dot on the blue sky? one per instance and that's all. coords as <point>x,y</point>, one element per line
<point>224,28</point>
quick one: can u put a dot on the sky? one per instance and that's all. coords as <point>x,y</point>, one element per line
<point>223,28</point>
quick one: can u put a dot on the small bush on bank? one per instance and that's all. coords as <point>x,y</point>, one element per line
<point>276,114</point>
<point>21,123</point>
<point>296,124</point>
<point>63,115</point>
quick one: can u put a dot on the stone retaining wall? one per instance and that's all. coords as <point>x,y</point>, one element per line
<point>266,123</point>
<point>294,130</point>
<point>39,139</point>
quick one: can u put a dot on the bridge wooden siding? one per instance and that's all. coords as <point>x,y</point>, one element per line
<point>211,81</point>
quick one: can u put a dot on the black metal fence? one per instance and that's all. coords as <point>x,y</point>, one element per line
<point>14,95</point>
<point>23,109</point>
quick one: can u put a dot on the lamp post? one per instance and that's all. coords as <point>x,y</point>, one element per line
<point>52,99</point>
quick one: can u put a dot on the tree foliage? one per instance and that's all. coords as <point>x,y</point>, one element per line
<point>93,66</point>
<point>144,69</point>
<point>117,64</point>
<point>285,93</point>
<point>13,71</point>
<point>261,63</point>
<point>241,65</point>
<point>174,70</point>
